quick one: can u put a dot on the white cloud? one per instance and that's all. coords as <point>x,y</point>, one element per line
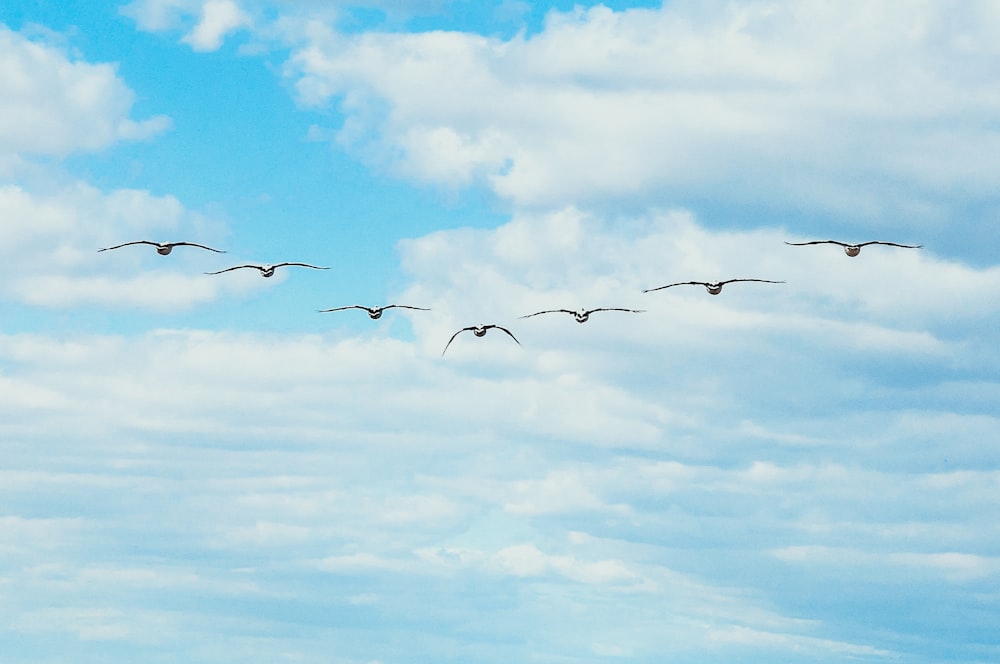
<point>53,105</point>
<point>218,19</point>
<point>50,242</point>
<point>641,479</point>
<point>331,469</point>
<point>160,14</point>
<point>855,111</point>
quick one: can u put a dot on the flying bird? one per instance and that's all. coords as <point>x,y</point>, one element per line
<point>163,248</point>
<point>479,331</point>
<point>268,270</point>
<point>855,249</point>
<point>373,312</point>
<point>713,287</point>
<point>582,315</point>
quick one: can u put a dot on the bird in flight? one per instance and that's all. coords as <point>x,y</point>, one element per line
<point>268,270</point>
<point>479,331</point>
<point>163,248</point>
<point>373,312</point>
<point>855,249</point>
<point>713,287</point>
<point>582,315</point>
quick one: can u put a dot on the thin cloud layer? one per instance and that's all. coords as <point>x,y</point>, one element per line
<point>355,472</point>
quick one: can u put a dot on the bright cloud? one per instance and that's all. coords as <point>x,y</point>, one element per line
<point>788,102</point>
<point>53,105</point>
<point>50,242</point>
<point>218,19</point>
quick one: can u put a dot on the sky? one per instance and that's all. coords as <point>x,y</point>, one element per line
<point>205,468</point>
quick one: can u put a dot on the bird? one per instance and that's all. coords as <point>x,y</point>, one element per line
<point>713,287</point>
<point>163,248</point>
<point>267,270</point>
<point>855,249</point>
<point>583,315</point>
<point>479,331</point>
<point>373,312</point>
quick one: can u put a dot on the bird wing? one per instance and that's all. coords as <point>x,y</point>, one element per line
<point>195,244</point>
<point>119,246</point>
<point>235,267</point>
<point>350,306</point>
<point>453,338</point>
<point>802,244</point>
<point>893,244</point>
<point>547,311</point>
<point>509,333</point>
<point>765,281</point>
<point>315,267</point>
<point>404,306</point>
<point>679,283</point>
<point>634,311</point>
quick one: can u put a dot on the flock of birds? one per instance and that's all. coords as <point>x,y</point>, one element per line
<point>580,315</point>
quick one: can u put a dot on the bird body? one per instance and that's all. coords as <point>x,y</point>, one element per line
<point>853,250</point>
<point>267,270</point>
<point>373,312</point>
<point>582,315</point>
<point>163,248</point>
<point>479,331</point>
<point>713,287</point>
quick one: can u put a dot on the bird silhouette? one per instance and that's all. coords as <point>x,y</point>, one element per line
<point>479,331</point>
<point>713,287</point>
<point>855,249</point>
<point>162,248</point>
<point>583,315</point>
<point>268,270</point>
<point>373,312</point>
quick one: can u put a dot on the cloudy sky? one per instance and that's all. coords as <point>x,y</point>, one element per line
<point>204,468</point>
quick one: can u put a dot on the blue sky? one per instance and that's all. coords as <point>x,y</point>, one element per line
<point>204,469</point>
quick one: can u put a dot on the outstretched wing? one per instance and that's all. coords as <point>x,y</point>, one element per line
<point>235,267</point>
<point>350,306</point>
<point>633,311</point>
<point>802,244</point>
<point>119,246</point>
<point>404,306</point>
<point>893,244</point>
<point>509,333</point>
<point>763,281</point>
<point>194,244</point>
<point>679,283</point>
<point>453,338</point>
<point>547,311</point>
<point>315,267</point>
